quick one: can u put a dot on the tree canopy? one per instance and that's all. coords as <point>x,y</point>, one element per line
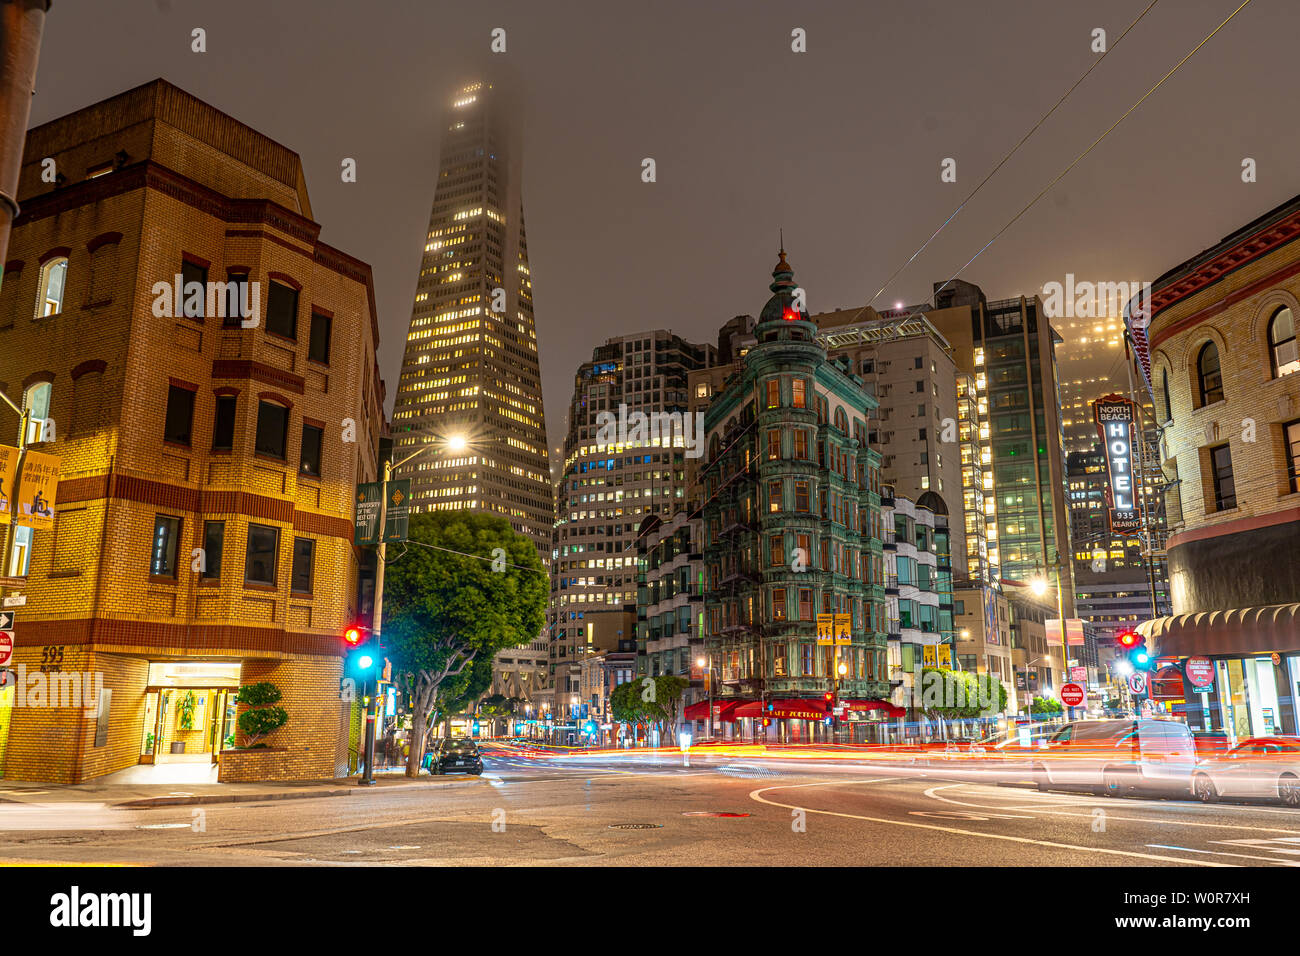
<point>466,586</point>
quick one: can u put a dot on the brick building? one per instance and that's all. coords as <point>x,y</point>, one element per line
<point>1218,350</point>
<point>209,443</point>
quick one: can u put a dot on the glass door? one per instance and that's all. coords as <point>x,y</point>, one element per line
<point>149,728</point>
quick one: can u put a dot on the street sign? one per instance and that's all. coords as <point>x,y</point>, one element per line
<point>1137,683</point>
<point>38,481</point>
<point>6,646</point>
<point>834,628</point>
<point>366,520</point>
<point>1072,695</point>
<point>1079,674</point>
<point>6,620</point>
<point>1115,416</point>
<point>397,510</point>
<point>8,472</point>
<point>15,600</point>
<point>1200,672</point>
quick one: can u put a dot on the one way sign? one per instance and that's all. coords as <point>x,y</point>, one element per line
<point>6,620</point>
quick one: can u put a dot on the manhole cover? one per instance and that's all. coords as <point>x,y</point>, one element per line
<point>712,813</point>
<point>636,826</point>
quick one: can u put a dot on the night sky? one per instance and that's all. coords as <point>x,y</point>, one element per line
<point>840,146</point>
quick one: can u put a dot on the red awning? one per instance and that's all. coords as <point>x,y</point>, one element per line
<point>727,710</point>
<point>750,708</point>
<point>890,710</point>
<point>697,711</point>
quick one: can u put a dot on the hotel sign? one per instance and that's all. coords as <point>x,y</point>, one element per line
<point>1115,417</point>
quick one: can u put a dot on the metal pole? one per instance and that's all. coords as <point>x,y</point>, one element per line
<point>1065,647</point>
<point>376,629</point>
<point>21,24</point>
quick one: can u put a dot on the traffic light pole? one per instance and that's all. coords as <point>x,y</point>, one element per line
<point>376,625</point>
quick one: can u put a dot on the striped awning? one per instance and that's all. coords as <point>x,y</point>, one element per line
<point>1238,632</point>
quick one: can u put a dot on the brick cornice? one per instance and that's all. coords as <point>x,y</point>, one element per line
<point>258,372</point>
<point>148,635</point>
<point>205,501</point>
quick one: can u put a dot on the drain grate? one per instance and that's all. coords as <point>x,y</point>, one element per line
<point>636,826</point>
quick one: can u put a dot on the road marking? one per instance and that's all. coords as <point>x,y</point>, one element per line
<point>1110,815</point>
<point>1243,856</point>
<point>757,795</point>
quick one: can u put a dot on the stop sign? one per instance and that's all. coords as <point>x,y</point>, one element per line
<point>1071,695</point>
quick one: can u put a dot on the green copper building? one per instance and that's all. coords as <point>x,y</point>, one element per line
<point>792,541</point>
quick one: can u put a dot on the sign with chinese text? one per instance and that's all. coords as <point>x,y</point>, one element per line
<point>1115,417</point>
<point>1200,672</point>
<point>38,482</point>
<point>944,652</point>
<point>8,472</point>
<point>928,656</point>
<point>834,629</point>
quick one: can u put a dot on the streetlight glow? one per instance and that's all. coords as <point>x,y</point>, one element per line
<point>457,443</point>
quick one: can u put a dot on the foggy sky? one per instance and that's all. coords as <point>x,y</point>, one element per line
<point>840,146</point>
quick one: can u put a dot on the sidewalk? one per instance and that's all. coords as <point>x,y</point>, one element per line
<point>144,795</point>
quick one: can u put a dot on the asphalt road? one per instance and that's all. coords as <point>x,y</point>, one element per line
<point>632,809</point>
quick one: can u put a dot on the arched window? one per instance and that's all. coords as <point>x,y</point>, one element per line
<point>36,401</point>
<point>53,281</point>
<point>841,421</point>
<point>1282,344</point>
<point>1208,375</point>
<point>1168,410</point>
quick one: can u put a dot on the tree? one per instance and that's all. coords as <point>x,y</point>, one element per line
<point>1045,707</point>
<point>644,701</point>
<point>263,716</point>
<point>446,609</point>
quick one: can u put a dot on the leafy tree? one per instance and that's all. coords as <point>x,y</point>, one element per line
<point>446,608</point>
<point>263,715</point>
<point>1045,707</point>
<point>646,701</point>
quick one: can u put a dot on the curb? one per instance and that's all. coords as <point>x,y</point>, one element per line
<point>147,803</point>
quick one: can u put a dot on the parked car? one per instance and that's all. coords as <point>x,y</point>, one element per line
<point>1258,767</point>
<point>1115,757</point>
<point>456,755</point>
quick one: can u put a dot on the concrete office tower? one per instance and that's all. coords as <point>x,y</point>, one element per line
<point>470,393</point>
<point>614,478</point>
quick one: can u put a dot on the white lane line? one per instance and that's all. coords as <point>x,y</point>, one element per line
<point>1110,815</point>
<point>757,795</point>
<point>1244,856</point>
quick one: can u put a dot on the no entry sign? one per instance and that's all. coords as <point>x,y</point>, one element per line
<point>1071,695</point>
<point>6,646</point>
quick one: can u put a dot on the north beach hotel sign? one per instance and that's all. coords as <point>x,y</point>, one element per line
<point>1115,418</point>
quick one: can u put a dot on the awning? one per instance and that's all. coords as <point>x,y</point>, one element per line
<point>890,710</point>
<point>697,711</point>
<point>1167,684</point>
<point>1239,632</point>
<point>789,708</point>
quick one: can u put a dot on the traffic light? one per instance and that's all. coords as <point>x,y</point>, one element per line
<point>360,653</point>
<point>767,721</point>
<point>353,637</point>
<point>1135,645</point>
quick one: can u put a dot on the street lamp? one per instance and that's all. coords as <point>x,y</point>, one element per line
<point>708,679</point>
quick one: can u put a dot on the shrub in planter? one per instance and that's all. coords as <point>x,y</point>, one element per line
<point>263,716</point>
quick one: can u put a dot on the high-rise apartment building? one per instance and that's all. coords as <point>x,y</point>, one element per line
<point>907,365</point>
<point>1010,350</point>
<point>625,460</point>
<point>469,401</point>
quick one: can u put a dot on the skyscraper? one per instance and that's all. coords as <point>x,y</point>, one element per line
<point>470,394</point>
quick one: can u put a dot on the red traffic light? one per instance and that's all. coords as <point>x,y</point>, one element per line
<point>828,696</point>
<point>1128,639</point>
<point>352,636</point>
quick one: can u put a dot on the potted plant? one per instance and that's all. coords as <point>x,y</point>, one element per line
<point>264,716</point>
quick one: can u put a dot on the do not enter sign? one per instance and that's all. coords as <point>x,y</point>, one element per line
<point>1071,695</point>
<point>6,646</point>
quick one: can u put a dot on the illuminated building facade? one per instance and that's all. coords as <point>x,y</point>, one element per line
<point>202,534</point>
<point>470,389</point>
<point>614,480</point>
<point>791,511</point>
<point>470,393</point>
